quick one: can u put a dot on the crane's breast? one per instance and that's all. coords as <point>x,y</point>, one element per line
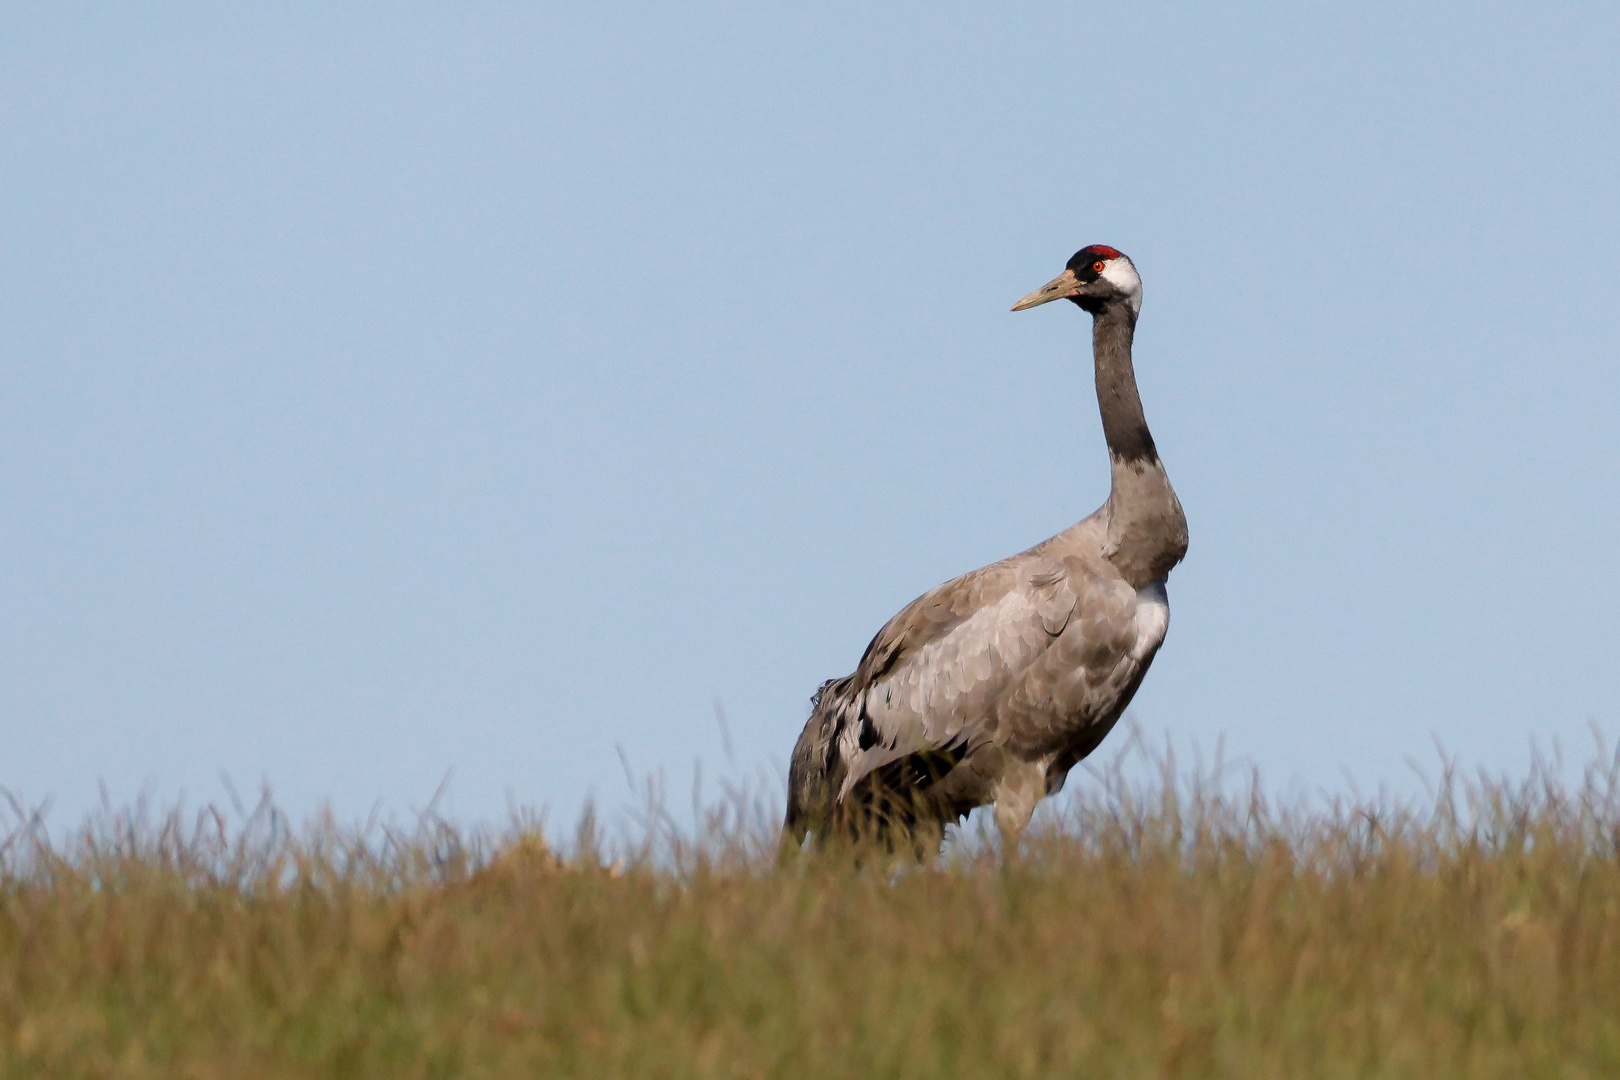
<point>1152,619</point>
<point>1082,683</point>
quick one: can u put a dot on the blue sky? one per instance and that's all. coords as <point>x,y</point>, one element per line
<point>394,391</point>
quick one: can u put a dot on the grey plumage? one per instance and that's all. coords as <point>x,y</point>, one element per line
<point>991,687</point>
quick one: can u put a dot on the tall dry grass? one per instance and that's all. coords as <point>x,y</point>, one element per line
<point>1178,927</point>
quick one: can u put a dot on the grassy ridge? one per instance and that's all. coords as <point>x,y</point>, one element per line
<point>1159,930</point>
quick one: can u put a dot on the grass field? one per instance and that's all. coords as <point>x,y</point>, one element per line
<point>1161,929</point>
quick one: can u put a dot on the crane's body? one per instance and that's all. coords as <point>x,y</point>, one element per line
<point>989,688</point>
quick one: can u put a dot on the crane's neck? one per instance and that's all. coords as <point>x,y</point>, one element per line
<point>1147,532</point>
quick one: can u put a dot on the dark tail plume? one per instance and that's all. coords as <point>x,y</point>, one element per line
<point>817,769</point>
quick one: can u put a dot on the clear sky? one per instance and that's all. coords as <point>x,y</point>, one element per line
<point>389,390</point>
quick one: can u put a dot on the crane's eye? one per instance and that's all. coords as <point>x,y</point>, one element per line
<point>1097,267</point>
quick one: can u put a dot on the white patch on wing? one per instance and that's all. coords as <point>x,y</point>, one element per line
<point>1121,273</point>
<point>943,672</point>
<point>1152,619</point>
<point>925,703</point>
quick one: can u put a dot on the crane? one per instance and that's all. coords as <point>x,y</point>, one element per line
<point>991,687</point>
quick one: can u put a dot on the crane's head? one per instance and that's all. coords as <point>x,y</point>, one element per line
<point>1097,277</point>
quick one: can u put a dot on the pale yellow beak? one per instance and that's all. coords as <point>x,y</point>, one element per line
<point>1065,284</point>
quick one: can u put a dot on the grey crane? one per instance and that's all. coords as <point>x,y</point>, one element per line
<point>989,688</point>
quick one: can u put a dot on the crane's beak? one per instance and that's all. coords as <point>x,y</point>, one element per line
<point>1065,284</point>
